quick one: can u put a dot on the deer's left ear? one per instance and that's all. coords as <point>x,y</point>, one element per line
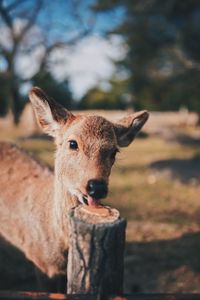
<point>128,127</point>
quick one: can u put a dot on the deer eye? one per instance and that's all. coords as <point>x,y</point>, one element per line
<point>113,154</point>
<point>73,145</point>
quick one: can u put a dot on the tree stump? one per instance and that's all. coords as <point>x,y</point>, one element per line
<point>96,251</point>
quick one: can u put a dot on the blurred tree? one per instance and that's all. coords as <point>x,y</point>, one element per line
<point>58,90</point>
<point>4,92</point>
<point>110,98</point>
<point>33,30</point>
<point>163,57</point>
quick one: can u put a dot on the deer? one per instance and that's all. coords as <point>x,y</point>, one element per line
<point>35,201</point>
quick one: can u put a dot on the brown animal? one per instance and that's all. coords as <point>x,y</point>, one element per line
<point>34,202</point>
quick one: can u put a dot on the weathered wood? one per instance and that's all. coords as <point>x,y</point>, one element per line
<point>7,295</point>
<point>95,259</point>
<point>45,296</point>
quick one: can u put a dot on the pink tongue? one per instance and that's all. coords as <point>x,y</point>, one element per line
<point>92,201</point>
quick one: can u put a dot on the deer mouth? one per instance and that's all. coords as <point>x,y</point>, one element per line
<point>88,200</point>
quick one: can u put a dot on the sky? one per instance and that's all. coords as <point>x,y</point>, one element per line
<point>89,62</point>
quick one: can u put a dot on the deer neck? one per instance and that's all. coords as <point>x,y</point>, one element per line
<point>63,202</point>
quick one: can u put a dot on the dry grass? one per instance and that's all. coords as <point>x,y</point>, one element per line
<point>141,193</point>
<point>162,206</point>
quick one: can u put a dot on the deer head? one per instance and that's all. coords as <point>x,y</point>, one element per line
<point>86,145</point>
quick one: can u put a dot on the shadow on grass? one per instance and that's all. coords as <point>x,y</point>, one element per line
<point>18,273</point>
<point>158,265</point>
<point>184,139</point>
<point>36,136</point>
<point>186,170</point>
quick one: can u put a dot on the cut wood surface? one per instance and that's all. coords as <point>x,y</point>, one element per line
<point>95,260</point>
<point>96,214</point>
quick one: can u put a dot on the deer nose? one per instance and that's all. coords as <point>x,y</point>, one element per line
<point>97,188</point>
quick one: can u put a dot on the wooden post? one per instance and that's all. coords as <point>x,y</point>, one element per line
<point>96,250</point>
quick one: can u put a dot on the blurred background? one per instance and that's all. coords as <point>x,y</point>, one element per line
<point>112,57</point>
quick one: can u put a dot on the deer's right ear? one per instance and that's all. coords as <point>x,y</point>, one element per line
<point>50,114</point>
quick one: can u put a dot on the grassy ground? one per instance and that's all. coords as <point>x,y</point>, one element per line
<point>155,185</point>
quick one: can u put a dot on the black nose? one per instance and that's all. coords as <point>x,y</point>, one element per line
<point>97,189</point>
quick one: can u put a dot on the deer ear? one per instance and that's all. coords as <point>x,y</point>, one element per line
<point>127,128</point>
<point>50,114</point>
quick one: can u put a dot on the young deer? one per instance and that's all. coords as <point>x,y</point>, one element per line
<point>34,202</point>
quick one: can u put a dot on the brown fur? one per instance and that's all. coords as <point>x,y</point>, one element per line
<point>34,202</point>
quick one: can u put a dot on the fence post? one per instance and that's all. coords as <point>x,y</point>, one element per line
<point>96,251</point>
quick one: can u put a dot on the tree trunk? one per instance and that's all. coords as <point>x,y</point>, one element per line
<point>96,250</point>
<point>15,103</point>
